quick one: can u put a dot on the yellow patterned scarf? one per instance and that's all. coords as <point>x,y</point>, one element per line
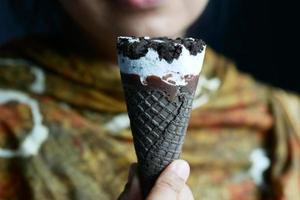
<point>236,125</point>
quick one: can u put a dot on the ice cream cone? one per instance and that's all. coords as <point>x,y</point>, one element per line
<point>159,77</point>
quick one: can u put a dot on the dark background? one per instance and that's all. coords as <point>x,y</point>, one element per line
<point>259,35</point>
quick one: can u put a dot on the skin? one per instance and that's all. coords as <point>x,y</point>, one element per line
<point>171,184</point>
<point>101,21</point>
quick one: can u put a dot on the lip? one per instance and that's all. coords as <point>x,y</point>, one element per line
<point>142,4</point>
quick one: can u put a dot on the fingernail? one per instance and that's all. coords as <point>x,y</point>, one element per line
<point>181,168</point>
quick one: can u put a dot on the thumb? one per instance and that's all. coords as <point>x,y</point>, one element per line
<point>171,181</point>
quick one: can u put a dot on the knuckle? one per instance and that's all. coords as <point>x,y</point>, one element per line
<point>171,182</point>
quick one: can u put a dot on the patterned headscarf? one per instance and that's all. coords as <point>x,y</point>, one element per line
<point>64,131</point>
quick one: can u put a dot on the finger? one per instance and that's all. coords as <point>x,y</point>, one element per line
<point>132,171</point>
<point>186,194</point>
<point>171,182</point>
<point>126,192</point>
<point>123,195</point>
<point>134,192</point>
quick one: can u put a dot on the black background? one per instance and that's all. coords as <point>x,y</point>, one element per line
<point>261,36</point>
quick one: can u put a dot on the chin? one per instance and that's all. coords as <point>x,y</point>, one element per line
<point>151,32</point>
<point>153,27</point>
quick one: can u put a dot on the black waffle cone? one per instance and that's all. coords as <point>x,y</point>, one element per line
<point>158,125</point>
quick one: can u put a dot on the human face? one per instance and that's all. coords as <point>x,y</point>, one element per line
<point>104,20</point>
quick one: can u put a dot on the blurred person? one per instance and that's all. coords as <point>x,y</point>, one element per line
<point>64,131</point>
